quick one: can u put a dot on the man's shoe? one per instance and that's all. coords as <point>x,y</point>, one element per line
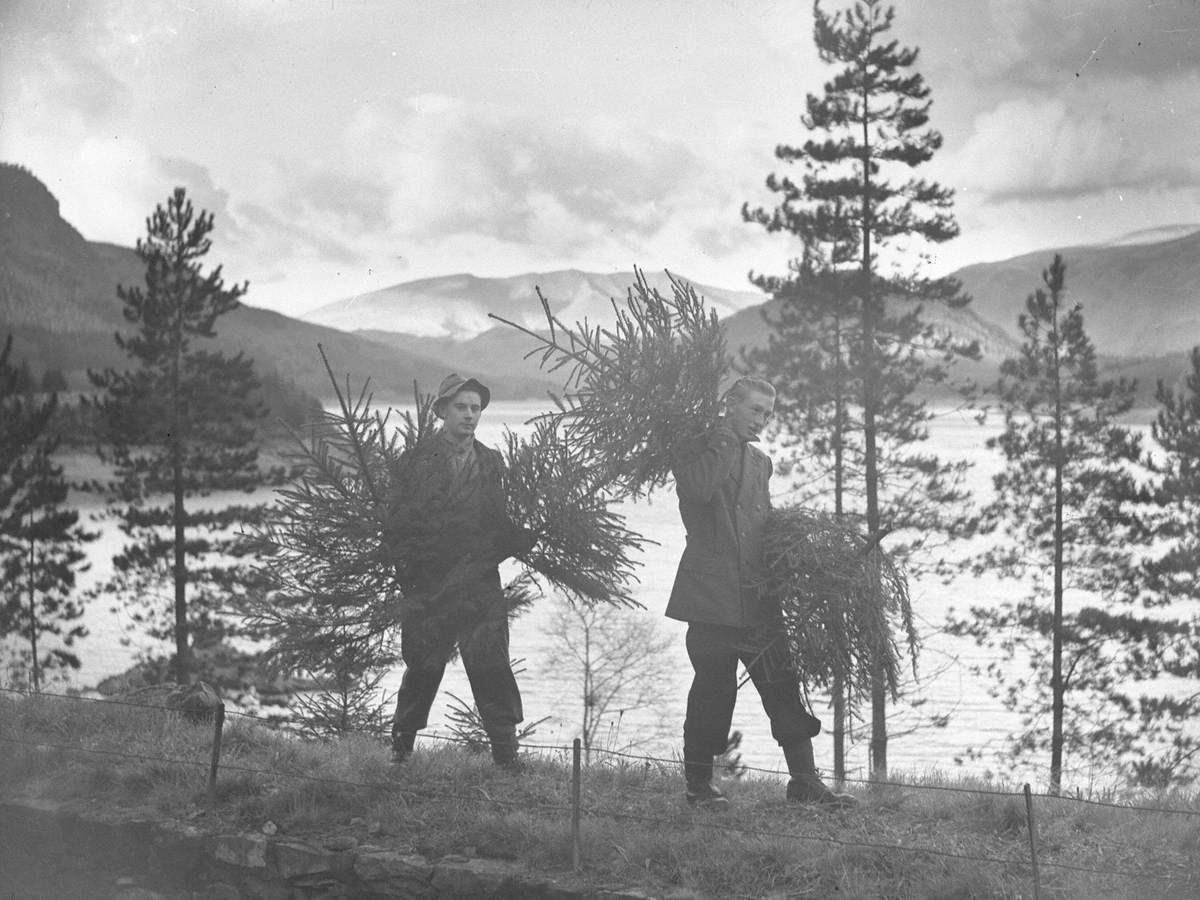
<point>811,789</point>
<point>505,755</point>
<point>703,794</point>
<point>402,748</point>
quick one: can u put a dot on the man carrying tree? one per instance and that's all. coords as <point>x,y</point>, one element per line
<point>447,510</point>
<point>724,500</point>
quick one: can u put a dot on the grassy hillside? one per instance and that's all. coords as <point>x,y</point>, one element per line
<point>929,837</point>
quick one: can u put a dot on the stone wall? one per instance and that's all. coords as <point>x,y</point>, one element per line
<point>83,851</point>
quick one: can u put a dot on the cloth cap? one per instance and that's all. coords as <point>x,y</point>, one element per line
<point>453,384</point>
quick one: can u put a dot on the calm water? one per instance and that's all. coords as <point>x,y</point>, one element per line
<point>944,687</point>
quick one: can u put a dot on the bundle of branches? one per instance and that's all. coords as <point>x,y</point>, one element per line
<point>583,546</point>
<point>634,391</point>
<point>843,602</point>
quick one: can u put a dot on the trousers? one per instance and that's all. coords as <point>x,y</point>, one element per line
<point>714,651</point>
<point>428,644</point>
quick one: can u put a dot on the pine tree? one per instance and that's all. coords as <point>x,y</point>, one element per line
<point>1065,519</point>
<point>177,428</point>
<point>864,338</point>
<point>1171,581</point>
<point>40,539</point>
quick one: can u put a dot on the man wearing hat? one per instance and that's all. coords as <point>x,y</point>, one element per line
<point>448,510</point>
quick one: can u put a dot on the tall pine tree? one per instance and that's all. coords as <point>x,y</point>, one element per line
<point>40,538</point>
<point>177,428</point>
<point>1165,736</point>
<point>1065,520</point>
<point>863,333</point>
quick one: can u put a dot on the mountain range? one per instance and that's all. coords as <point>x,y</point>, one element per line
<point>1140,296</point>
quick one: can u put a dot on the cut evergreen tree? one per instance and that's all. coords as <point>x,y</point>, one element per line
<point>637,390</point>
<point>336,549</point>
<point>178,428</point>
<point>853,347</point>
<point>41,542</point>
<point>1066,520</point>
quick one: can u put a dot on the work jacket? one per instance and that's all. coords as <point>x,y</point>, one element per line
<point>724,501</point>
<point>441,521</point>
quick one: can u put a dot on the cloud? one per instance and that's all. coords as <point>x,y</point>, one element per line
<point>1123,136</point>
<point>274,238</point>
<point>1047,42</point>
<point>202,191</point>
<point>454,169</point>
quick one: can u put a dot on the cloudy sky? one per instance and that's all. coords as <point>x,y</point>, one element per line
<point>346,145</point>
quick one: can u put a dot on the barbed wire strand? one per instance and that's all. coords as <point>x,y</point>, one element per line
<point>595,812</point>
<point>277,725</point>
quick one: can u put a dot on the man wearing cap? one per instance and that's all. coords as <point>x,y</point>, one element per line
<point>448,510</point>
<point>724,499</point>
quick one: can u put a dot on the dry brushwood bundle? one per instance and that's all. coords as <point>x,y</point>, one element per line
<point>583,546</point>
<point>633,392</point>
<point>843,602</point>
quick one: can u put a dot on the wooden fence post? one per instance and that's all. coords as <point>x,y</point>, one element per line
<point>1032,842</point>
<point>576,778</point>
<point>218,725</point>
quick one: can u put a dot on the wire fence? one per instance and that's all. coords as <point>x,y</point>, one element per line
<point>576,810</point>
<point>276,723</point>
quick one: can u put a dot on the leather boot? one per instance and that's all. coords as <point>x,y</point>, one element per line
<point>504,751</point>
<point>698,772</point>
<point>402,746</point>
<point>805,785</point>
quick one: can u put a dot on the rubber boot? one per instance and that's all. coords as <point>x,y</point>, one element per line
<point>805,785</point>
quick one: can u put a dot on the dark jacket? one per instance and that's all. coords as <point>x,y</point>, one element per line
<point>440,522</point>
<point>724,500</point>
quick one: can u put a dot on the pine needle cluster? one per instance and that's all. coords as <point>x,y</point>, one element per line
<point>583,547</point>
<point>841,599</point>
<point>635,391</point>
<point>329,601</point>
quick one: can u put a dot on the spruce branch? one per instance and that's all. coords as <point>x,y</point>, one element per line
<point>583,546</point>
<point>841,599</point>
<point>636,390</point>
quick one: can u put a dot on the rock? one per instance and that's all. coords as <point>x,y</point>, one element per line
<point>246,850</point>
<point>269,827</point>
<point>390,873</point>
<point>198,702</point>
<point>477,878</point>
<point>220,890</point>
<point>294,859</point>
<point>136,893</point>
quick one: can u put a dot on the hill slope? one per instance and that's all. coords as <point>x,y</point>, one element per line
<point>457,306</point>
<point>58,298</point>
<point>1140,297</point>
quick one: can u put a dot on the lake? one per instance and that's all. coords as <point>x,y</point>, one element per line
<point>945,685</point>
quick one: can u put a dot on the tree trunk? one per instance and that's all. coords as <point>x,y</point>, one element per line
<point>183,662</point>
<point>36,671</point>
<point>1057,688</point>
<point>839,729</point>
<point>879,738</point>
<point>839,476</point>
